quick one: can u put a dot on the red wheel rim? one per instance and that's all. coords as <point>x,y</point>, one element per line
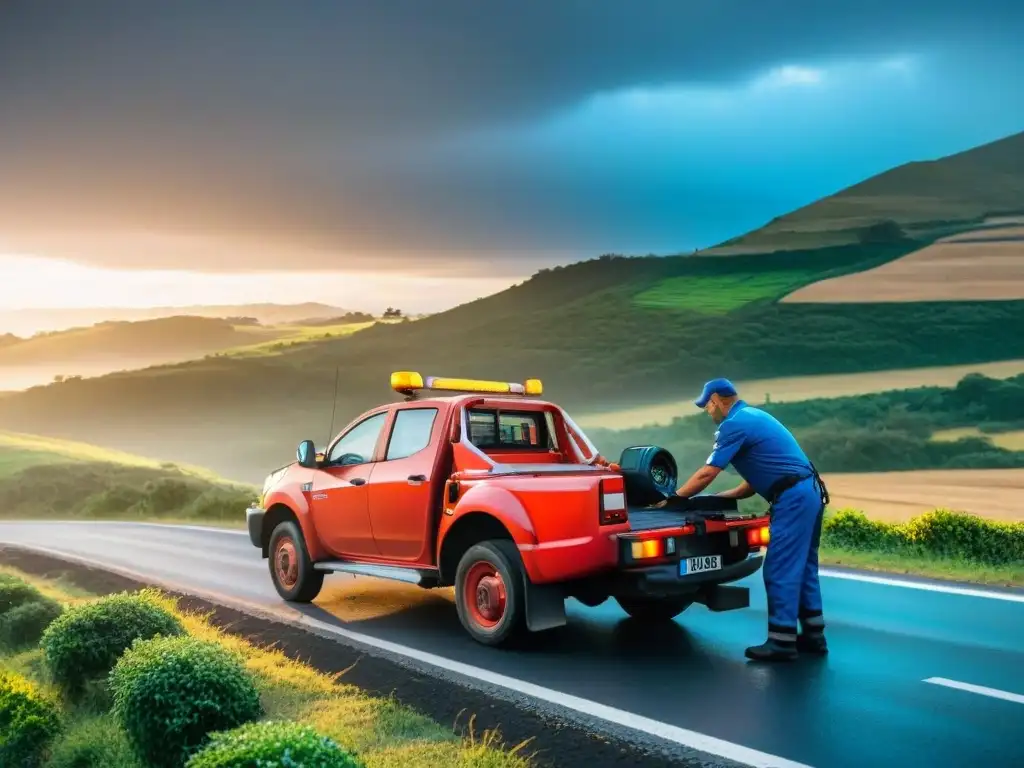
<point>484,594</point>
<point>286,563</point>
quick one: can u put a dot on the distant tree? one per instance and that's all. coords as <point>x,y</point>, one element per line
<point>58,379</point>
<point>887,231</point>
<point>392,312</point>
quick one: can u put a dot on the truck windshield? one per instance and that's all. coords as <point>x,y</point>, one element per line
<point>490,428</point>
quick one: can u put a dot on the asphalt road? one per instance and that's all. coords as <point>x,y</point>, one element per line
<point>930,676</point>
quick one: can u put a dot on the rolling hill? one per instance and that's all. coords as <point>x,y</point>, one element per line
<point>609,332</point>
<point>26,322</point>
<point>927,199</point>
<point>117,345</point>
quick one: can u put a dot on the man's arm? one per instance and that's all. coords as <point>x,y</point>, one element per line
<point>700,480</point>
<point>742,491</point>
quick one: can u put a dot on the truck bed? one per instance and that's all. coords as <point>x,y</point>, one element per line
<point>682,511</point>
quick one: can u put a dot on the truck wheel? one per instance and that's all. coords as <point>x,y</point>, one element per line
<point>490,592</point>
<point>290,566</point>
<point>654,609</point>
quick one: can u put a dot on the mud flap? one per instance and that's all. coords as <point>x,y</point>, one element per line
<point>545,606</point>
<point>724,598</point>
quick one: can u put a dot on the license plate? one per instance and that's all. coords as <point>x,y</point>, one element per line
<point>700,564</point>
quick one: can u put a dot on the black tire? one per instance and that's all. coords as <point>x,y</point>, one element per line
<point>654,609</point>
<point>305,583</point>
<point>507,624</point>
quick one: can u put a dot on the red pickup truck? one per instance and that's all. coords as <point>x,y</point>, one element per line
<point>483,486</point>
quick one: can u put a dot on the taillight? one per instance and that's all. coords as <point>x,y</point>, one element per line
<point>648,548</point>
<point>612,501</point>
<point>758,537</point>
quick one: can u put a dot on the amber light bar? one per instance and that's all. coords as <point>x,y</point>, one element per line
<point>410,381</point>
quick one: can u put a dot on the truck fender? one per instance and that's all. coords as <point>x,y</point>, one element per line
<point>544,603</point>
<point>296,503</point>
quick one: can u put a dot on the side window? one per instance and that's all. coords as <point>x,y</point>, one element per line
<point>411,432</point>
<point>356,447</point>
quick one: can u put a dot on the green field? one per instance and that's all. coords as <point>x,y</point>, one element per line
<point>718,295</point>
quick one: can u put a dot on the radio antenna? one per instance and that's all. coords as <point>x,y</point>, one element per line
<point>334,406</point>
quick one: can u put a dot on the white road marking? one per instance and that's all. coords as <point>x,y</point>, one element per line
<point>949,589</point>
<point>995,693</point>
<point>682,736</point>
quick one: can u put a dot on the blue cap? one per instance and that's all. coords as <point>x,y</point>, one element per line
<point>721,387</point>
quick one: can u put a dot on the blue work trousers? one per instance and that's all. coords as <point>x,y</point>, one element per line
<point>791,562</point>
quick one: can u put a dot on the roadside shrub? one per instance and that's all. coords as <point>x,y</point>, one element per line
<point>967,537</point>
<point>23,626</point>
<point>170,693</point>
<point>851,529</point>
<point>86,640</point>
<point>94,743</point>
<point>15,592</point>
<point>285,745</point>
<point>941,533</point>
<point>29,721</point>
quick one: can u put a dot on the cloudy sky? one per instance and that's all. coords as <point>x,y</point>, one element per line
<point>170,146</point>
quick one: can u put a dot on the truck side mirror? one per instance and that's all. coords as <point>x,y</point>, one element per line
<point>306,454</point>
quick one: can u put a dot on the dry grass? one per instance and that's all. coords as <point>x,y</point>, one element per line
<point>898,496</point>
<point>985,265</point>
<point>804,388</point>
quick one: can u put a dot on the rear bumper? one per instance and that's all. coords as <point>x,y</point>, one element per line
<point>254,523</point>
<point>664,580</point>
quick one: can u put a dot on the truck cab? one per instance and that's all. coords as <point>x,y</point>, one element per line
<point>485,487</point>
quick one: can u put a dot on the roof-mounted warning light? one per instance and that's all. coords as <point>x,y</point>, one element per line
<point>409,382</point>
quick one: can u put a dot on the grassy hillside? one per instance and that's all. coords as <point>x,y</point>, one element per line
<point>46,478</point>
<point>925,198</point>
<point>588,330</point>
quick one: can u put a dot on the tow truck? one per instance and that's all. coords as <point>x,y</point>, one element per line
<point>485,487</point>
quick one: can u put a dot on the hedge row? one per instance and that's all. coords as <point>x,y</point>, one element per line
<point>178,699</point>
<point>942,533</point>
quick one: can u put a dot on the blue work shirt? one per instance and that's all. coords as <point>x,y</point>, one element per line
<point>759,448</point>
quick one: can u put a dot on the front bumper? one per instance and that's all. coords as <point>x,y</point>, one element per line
<point>254,522</point>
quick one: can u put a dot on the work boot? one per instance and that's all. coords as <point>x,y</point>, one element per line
<point>772,650</point>
<point>813,643</point>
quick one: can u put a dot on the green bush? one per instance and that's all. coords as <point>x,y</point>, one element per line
<point>943,534</point>
<point>29,721</point>
<point>93,743</point>
<point>285,745</point>
<point>15,592</point>
<point>86,640</point>
<point>170,693</point>
<point>23,626</point>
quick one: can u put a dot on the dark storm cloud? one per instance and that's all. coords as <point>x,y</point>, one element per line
<point>301,122</point>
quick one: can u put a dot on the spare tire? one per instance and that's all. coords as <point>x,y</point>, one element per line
<point>650,474</point>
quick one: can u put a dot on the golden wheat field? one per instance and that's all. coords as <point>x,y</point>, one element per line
<point>986,265</point>
<point>781,390</point>
<point>898,496</point>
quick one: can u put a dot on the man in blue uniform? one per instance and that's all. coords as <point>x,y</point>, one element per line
<point>771,463</point>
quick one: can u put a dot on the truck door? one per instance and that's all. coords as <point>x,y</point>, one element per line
<point>403,487</point>
<point>339,499</point>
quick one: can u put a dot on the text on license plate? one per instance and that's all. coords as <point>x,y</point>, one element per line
<point>700,564</point>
